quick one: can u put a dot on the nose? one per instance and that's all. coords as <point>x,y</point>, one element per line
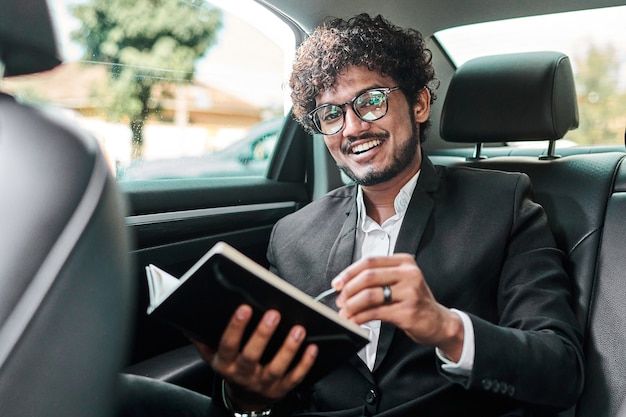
<point>353,124</point>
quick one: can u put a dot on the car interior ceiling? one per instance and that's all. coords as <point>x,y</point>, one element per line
<point>583,191</point>
<point>426,15</point>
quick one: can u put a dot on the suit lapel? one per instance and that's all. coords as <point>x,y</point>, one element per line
<point>418,211</point>
<point>411,232</point>
<point>340,258</point>
<point>341,253</point>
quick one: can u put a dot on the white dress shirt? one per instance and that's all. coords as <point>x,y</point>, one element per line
<point>373,239</point>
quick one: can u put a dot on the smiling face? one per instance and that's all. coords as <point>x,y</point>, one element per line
<point>382,152</point>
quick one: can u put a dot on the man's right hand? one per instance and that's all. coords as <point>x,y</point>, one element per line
<point>251,385</point>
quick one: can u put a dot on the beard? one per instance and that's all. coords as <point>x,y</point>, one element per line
<point>403,157</point>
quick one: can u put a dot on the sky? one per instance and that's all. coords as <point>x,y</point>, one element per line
<point>565,32</point>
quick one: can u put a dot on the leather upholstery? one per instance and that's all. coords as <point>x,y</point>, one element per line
<point>584,214</point>
<point>27,39</point>
<point>65,287</point>
<point>503,98</point>
<point>181,366</point>
<point>584,197</point>
<point>605,387</point>
<point>574,192</point>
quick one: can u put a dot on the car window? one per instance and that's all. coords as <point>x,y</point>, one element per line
<point>595,41</point>
<point>189,89</point>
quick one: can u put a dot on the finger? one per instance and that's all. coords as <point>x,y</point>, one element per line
<point>377,272</point>
<point>230,342</point>
<point>352,271</point>
<point>383,313</point>
<point>256,344</point>
<point>277,368</point>
<point>368,299</point>
<point>364,264</point>
<point>300,371</point>
<point>370,305</point>
<point>369,282</point>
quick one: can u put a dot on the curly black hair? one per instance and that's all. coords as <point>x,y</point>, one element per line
<point>364,41</point>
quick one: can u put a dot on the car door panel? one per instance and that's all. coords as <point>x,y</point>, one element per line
<point>174,222</point>
<point>175,239</point>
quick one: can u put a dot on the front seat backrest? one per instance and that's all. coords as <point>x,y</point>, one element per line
<point>65,287</point>
<point>64,270</point>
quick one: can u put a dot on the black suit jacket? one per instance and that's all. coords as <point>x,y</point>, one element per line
<point>485,248</point>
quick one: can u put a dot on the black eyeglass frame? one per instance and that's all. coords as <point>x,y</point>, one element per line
<point>385,90</point>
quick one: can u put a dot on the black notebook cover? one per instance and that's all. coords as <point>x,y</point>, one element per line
<point>202,302</point>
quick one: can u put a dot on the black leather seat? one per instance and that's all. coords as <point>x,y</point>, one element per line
<point>65,285</point>
<point>531,97</point>
<point>605,389</point>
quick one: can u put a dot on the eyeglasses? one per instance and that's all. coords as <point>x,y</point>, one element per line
<point>368,106</point>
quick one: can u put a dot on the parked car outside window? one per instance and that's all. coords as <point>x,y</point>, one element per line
<point>247,156</point>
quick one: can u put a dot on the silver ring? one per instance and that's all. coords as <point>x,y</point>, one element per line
<point>387,294</point>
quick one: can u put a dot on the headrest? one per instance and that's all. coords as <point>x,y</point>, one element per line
<point>27,38</point>
<point>512,97</point>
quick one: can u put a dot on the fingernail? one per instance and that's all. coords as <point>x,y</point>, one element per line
<point>271,318</point>
<point>337,282</point>
<point>298,334</point>
<point>242,313</point>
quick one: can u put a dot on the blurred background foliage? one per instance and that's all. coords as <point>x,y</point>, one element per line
<point>145,43</point>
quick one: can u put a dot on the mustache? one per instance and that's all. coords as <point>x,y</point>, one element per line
<point>366,136</point>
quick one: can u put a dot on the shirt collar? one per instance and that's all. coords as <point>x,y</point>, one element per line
<point>400,203</point>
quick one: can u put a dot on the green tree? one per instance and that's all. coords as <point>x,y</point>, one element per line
<point>601,103</point>
<point>145,43</point>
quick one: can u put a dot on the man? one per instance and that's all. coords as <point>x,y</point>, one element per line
<point>453,271</point>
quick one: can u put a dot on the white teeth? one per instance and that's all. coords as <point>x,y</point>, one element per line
<point>366,146</point>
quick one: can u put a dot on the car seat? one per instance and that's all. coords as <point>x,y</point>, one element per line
<point>65,286</point>
<point>531,96</point>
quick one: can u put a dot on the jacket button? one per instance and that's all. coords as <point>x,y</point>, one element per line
<point>370,397</point>
<point>495,387</point>
<point>487,383</point>
<point>504,387</point>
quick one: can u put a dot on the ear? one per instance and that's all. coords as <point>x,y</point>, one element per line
<point>421,108</point>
